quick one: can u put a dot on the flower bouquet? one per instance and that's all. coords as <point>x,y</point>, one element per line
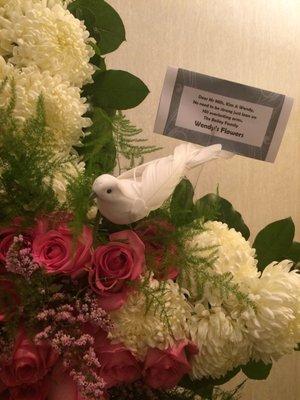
<point>168,304</point>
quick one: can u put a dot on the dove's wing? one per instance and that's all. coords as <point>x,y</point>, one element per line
<point>161,176</point>
<point>137,172</point>
<point>130,188</point>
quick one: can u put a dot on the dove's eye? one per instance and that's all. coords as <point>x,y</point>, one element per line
<point>109,191</point>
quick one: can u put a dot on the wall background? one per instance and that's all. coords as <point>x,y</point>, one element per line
<point>253,42</point>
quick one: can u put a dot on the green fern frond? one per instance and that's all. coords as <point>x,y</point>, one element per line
<point>155,300</point>
<point>27,163</point>
<point>197,266</point>
<point>127,142</point>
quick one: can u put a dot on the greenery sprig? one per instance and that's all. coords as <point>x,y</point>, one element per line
<point>27,163</point>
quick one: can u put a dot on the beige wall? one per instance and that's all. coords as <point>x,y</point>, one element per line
<point>254,42</point>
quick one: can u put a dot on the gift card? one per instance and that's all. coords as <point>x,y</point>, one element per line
<point>206,110</point>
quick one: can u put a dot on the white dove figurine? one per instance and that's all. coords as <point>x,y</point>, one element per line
<point>135,193</point>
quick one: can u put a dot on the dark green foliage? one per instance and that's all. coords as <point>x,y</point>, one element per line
<point>27,157</point>
<point>182,205</point>
<point>128,143</point>
<point>139,391</point>
<point>98,151</point>
<point>206,385</point>
<point>274,241</point>
<point>293,253</point>
<point>257,370</point>
<point>214,207</point>
<point>115,89</point>
<point>97,59</point>
<point>99,62</point>
<point>235,394</point>
<point>102,21</point>
<point>78,200</point>
<point>98,148</point>
<point>32,298</point>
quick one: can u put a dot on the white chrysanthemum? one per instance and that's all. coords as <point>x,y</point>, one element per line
<point>274,329</point>
<point>4,69</point>
<point>12,9</point>
<point>63,105</point>
<point>62,178</point>
<point>92,212</point>
<point>233,253</point>
<point>139,328</point>
<point>46,35</point>
<point>221,340</point>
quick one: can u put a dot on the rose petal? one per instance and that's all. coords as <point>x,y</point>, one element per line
<point>62,386</point>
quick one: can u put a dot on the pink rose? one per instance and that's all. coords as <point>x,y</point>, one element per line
<point>56,251</point>
<point>8,234</point>
<point>160,250</point>
<point>114,265</point>
<point>29,364</point>
<point>163,369</point>
<point>6,240</point>
<point>118,364</point>
<point>62,386</point>
<point>35,391</point>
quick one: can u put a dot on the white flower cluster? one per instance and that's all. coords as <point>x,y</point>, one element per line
<point>46,50</point>
<point>274,328</point>
<point>229,333</point>
<point>139,328</point>
<point>234,254</point>
<point>223,344</point>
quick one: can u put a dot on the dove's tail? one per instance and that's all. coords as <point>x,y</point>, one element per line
<point>199,156</point>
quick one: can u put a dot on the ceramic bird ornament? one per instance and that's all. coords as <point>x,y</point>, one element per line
<point>135,193</point>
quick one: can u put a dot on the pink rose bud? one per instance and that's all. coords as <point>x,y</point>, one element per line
<point>163,369</point>
<point>115,265</point>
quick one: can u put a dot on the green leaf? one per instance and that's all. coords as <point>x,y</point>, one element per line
<point>202,387</point>
<point>214,207</point>
<point>99,62</point>
<point>205,386</point>
<point>221,381</point>
<point>293,252</point>
<point>257,370</point>
<point>182,205</point>
<point>115,89</point>
<point>273,242</point>
<point>98,148</point>
<point>54,288</point>
<point>102,21</point>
